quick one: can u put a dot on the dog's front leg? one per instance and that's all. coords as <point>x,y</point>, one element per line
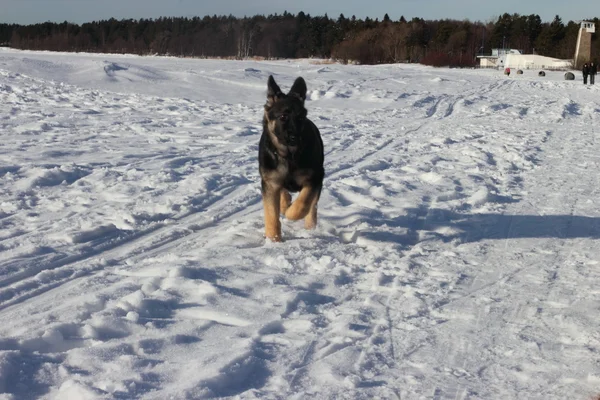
<point>310,221</point>
<point>270,195</point>
<point>304,202</point>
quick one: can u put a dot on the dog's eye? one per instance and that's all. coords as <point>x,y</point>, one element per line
<point>284,117</point>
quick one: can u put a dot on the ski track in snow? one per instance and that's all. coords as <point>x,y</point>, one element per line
<point>455,257</point>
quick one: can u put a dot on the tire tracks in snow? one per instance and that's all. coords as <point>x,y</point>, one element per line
<point>43,268</point>
<point>549,274</point>
<point>45,277</point>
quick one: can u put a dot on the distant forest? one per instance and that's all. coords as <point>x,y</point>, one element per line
<point>365,41</point>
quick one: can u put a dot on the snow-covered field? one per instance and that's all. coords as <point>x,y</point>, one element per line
<point>457,254</point>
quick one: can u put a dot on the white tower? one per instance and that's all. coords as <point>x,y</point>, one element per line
<point>583,51</point>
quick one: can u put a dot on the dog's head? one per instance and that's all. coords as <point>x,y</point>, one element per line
<point>285,114</point>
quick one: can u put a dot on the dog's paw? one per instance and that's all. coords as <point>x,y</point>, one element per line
<point>310,225</point>
<point>274,238</point>
<point>290,214</point>
<point>294,213</point>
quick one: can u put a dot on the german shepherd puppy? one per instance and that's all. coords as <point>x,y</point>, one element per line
<point>290,157</point>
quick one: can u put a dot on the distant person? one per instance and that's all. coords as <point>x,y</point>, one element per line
<point>586,71</point>
<point>593,72</point>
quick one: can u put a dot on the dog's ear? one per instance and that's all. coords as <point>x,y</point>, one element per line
<point>273,91</point>
<point>298,89</point>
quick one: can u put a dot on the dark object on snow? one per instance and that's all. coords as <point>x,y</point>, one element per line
<point>569,76</point>
<point>585,71</point>
<point>519,72</point>
<point>541,73</point>
<point>290,158</point>
<point>507,71</point>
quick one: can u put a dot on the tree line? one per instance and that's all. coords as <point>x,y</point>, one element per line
<point>364,41</point>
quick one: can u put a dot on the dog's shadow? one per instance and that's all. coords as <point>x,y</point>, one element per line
<point>466,227</point>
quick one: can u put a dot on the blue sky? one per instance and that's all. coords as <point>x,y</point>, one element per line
<point>32,11</point>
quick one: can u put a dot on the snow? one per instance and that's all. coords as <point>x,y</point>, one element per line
<point>455,255</point>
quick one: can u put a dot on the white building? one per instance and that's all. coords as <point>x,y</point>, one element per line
<point>511,58</point>
<point>497,59</point>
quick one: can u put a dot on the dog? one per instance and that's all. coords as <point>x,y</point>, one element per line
<point>290,158</point>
